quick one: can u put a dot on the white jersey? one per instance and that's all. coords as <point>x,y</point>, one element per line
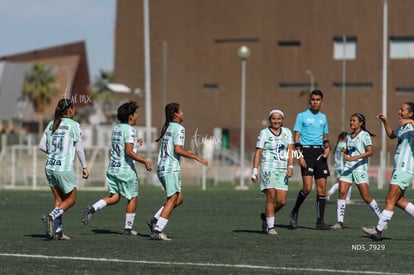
<point>168,160</point>
<point>356,146</point>
<point>275,148</point>
<point>60,145</point>
<point>339,156</point>
<point>119,161</point>
<point>404,155</point>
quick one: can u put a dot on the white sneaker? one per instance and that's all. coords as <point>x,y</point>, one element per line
<point>156,235</point>
<point>272,231</point>
<point>132,232</point>
<point>62,237</point>
<point>373,233</point>
<point>338,225</point>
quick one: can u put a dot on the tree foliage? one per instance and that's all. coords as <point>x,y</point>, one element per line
<point>39,86</point>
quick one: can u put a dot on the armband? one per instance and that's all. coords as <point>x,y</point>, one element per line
<point>298,145</point>
<point>290,166</point>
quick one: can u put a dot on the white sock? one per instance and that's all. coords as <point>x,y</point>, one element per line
<point>158,214</point>
<point>384,219</point>
<point>374,206</point>
<point>410,209</point>
<point>333,189</point>
<point>270,222</point>
<point>57,212</point>
<point>99,205</point>
<point>348,195</point>
<point>340,211</point>
<point>161,223</point>
<point>129,220</point>
<point>57,224</point>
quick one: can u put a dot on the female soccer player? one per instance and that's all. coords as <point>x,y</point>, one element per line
<point>121,174</point>
<point>61,140</point>
<point>168,170</point>
<point>358,149</point>
<point>339,166</point>
<point>403,171</point>
<point>274,152</point>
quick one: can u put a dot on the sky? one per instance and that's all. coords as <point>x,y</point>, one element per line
<point>27,25</point>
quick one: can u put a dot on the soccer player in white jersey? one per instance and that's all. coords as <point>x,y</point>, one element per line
<point>403,172</point>
<point>358,150</point>
<point>274,153</point>
<point>168,167</point>
<point>61,140</point>
<point>121,174</point>
<point>339,166</point>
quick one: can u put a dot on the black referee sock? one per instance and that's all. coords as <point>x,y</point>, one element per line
<point>320,208</point>
<point>299,200</point>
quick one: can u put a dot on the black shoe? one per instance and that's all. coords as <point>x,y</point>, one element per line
<point>151,223</point>
<point>264,223</point>
<point>322,226</point>
<point>294,220</point>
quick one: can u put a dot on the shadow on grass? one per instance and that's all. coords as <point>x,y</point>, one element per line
<point>105,231</point>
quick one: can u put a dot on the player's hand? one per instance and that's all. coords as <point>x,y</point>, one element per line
<point>254,176</point>
<point>382,117</point>
<point>302,163</point>
<point>148,166</point>
<point>289,172</point>
<point>85,173</point>
<point>139,142</point>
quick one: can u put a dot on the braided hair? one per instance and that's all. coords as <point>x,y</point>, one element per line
<point>361,118</point>
<point>170,110</point>
<point>62,108</point>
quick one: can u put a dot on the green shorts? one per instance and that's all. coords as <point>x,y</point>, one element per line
<point>401,178</point>
<point>276,179</point>
<point>354,176</point>
<point>64,181</point>
<point>338,173</point>
<point>124,183</point>
<point>171,183</point>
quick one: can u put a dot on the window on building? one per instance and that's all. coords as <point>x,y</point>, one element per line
<point>345,47</point>
<point>353,85</point>
<point>237,40</point>
<point>401,47</point>
<point>405,90</point>
<point>289,43</point>
<point>295,85</point>
<point>210,87</point>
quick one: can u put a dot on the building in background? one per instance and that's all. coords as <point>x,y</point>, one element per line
<point>295,45</point>
<point>69,62</point>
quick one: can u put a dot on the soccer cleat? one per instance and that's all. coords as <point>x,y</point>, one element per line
<point>338,225</point>
<point>272,231</point>
<point>294,220</point>
<point>151,223</point>
<point>322,226</point>
<point>48,226</point>
<point>373,233</point>
<point>264,223</point>
<point>60,236</point>
<point>157,235</point>
<point>131,232</point>
<point>87,214</point>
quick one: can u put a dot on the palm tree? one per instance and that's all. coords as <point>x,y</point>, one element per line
<point>39,87</point>
<point>101,94</point>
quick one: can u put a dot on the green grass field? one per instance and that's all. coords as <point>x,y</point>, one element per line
<point>217,231</point>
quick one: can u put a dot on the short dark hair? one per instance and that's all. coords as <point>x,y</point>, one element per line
<point>125,110</point>
<point>316,92</point>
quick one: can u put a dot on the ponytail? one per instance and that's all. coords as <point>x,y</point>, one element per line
<point>361,118</point>
<point>61,109</point>
<point>170,110</point>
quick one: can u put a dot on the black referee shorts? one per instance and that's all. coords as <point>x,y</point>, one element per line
<point>317,165</point>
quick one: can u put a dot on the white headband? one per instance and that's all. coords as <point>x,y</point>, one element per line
<point>276,111</point>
